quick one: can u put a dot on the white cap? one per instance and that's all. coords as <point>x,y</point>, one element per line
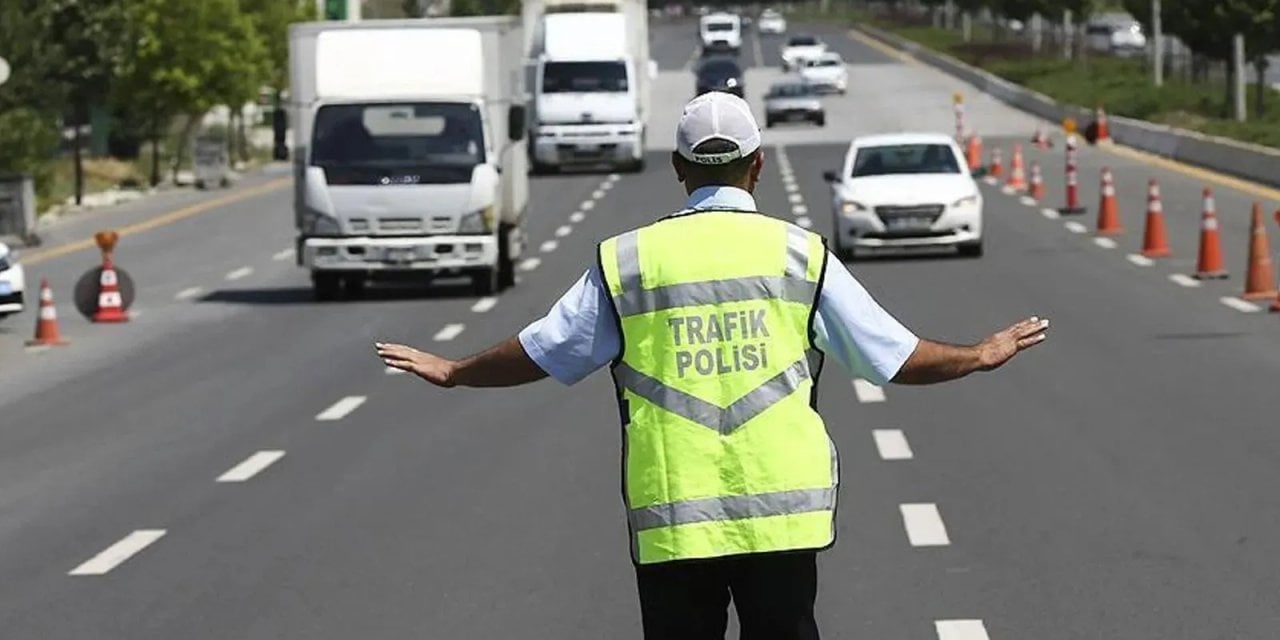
<point>717,115</point>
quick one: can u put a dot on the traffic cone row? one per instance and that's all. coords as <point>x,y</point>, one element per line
<point>1260,282</point>
<point>1017,175</point>
<point>1210,266</point>
<point>1037,183</point>
<point>996,168</point>
<point>1155,241</point>
<point>973,152</point>
<point>1108,208</point>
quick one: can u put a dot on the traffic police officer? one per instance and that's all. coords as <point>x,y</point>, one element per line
<point>716,320</point>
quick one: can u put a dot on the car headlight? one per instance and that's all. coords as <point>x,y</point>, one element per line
<point>849,207</point>
<point>477,221</point>
<point>322,225</point>
<point>966,201</point>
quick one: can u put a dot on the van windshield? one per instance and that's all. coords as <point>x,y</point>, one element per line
<point>584,77</point>
<point>425,141</point>
<point>719,26</point>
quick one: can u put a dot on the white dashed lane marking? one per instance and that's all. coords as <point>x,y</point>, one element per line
<point>924,525</point>
<point>866,391</point>
<point>1139,259</point>
<point>563,230</point>
<point>484,304</point>
<point>991,180</point>
<point>1028,201</point>
<point>892,444</point>
<point>608,184</point>
<point>597,194</point>
<point>790,186</point>
<point>795,198</point>
<point>449,332</point>
<point>587,205</point>
<point>1183,280</point>
<point>1243,306</point>
<point>549,246</point>
<point>1051,214</point>
<point>799,210</point>
<point>1075,227</point>
<point>804,222</point>
<point>341,408</point>
<point>529,264</point>
<point>613,177</point>
<point>114,555</point>
<point>577,216</point>
<point>252,466</point>
<point>239,273</point>
<point>283,254</point>
<point>961,630</point>
<point>1105,243</point>
<point>188,293</point>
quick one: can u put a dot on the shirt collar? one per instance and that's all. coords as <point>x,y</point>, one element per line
<point>720,197</point>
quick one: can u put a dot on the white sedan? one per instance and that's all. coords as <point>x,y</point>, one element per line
<point>799,48</point>
<point>826,73</point>
<point>902,191</point>
<point>13,282</point>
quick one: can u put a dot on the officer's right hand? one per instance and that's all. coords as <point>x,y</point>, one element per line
<point>428,366</point>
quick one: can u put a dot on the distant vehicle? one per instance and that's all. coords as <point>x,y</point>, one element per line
<point>799,48</point>
<point>720,33</point>
<point>1120,37</point>
<point>905,190</point>
<point>826,73</point>
<point>720,74</point>
<point>791,102</point>
<point>210,162</point>
<point>13,282</point>
<point>771,22</point>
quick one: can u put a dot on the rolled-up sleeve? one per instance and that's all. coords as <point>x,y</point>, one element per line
<point>852,327</point>
<point>578,336</point>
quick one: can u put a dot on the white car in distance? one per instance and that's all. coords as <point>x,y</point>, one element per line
<point>826,73</point>
<point>720,33</point>
<point>799,48</point>
<point>902,191</point>
<point>771,22</point>
<point>13,282</point>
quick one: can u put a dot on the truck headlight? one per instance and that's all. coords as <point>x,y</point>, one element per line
<point>322,225</point>
<point>477,221</point>
<point>849,207</point>
<point>966,201</point>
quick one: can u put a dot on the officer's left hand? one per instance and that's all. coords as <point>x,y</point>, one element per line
<point>429,367</point>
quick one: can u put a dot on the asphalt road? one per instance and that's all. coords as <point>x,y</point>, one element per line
<point>1118,482</point>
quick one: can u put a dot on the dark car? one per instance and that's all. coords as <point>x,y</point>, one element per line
<point>720,74</point>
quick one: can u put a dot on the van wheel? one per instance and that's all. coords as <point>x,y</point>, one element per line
<point>485,283</point>
<point>506,266</point>
<point>325,286</point>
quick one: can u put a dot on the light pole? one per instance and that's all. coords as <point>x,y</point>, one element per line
<point>1157,40</point>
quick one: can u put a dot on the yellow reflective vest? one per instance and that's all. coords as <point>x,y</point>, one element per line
<point>724,452</point>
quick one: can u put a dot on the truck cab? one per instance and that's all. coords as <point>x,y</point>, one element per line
<point>720,33</point>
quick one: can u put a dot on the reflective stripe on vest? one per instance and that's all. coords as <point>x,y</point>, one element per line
<point>724,453</point>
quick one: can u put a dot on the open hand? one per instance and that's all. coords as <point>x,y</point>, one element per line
<point>428,366</point>
<point>1001,347</point>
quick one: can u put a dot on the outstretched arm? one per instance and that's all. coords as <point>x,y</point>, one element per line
<point>503,365</point>
<point>933,362</point>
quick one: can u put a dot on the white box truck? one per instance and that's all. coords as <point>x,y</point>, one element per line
<point>409,152</point>
<point>590,72</point>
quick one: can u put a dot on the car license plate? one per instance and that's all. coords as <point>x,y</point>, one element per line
<point>5,288</point>
<point>399,255</point>
<point>908,223</point>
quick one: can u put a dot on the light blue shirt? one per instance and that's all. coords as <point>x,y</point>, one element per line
<point>580,333</point>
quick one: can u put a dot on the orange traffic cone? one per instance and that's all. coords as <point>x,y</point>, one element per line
<point>973,153</point>
<point>1104,130</point>
<point>1037,182</point>
<point>1260,281</point>
<point>110,304</point>
<point>1017,174</point>
<point>47,334</point>
<point>1155,242</point>
<point>997,163</point>
<point>1210,265</point>
<point>1108,208</point>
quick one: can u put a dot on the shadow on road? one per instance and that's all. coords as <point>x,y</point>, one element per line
<point>305,296</point>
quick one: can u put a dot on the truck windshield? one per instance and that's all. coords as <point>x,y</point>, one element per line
<point>433,141</point>
<point>584,77</point>
<point>720,26</point>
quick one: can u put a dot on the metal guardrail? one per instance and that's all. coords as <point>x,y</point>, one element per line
<point>1241,159</point>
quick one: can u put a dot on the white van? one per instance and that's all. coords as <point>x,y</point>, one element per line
<point>720,32</point>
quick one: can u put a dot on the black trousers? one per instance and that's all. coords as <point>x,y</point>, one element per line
<point>773,594</point>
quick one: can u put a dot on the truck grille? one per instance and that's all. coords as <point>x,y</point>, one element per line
<point>399,225</point>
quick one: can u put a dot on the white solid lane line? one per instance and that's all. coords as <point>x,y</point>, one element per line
<point>188,293</point>
<point>577,216</point>
<point>1075,227</point>
<point>484,304</point>
<point>892,444</point>
<point>239,273</point>
<point>587,205</point>
<point>449,332</point>
<point>341,408</point>
<point>283,254</point>
<point>563,230</point>
<point>1105,243</point>
<point>252,466</point>
<point>866,391</point>
<point>924,525</point>
<point>1140,260</point>
<point>1184,280</point>
<point>529,264</point>
<point>1051,214</point>
<point>799,210</point>
<point>114,555</point>
<point>804,222</point>
<point>960,630</point>
<point>549,246</point>
<point>1243,306</point>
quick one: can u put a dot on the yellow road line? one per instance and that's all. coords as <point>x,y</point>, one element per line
<point>36,257</point>
<point>1169,164</point>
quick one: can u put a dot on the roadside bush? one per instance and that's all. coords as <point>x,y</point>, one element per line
<point>29,141</point>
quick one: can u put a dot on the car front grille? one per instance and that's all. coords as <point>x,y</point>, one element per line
<point>930,211</point>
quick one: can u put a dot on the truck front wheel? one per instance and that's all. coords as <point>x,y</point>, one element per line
<point>485,283</point>
<point>325,286</point>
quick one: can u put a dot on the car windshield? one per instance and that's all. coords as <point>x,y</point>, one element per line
<point>584,77</point>
<point>802,41</point>
<point>791,90</point>
<point>904,159</point>
<point>417,137</point>
<point>719,26</point>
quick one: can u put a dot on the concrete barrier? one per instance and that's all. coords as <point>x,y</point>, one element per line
<point>1249,161</point>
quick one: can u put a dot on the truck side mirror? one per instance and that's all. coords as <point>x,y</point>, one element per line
<point>516,121</point>
<point>279,129</point>
<point>830,176</point>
